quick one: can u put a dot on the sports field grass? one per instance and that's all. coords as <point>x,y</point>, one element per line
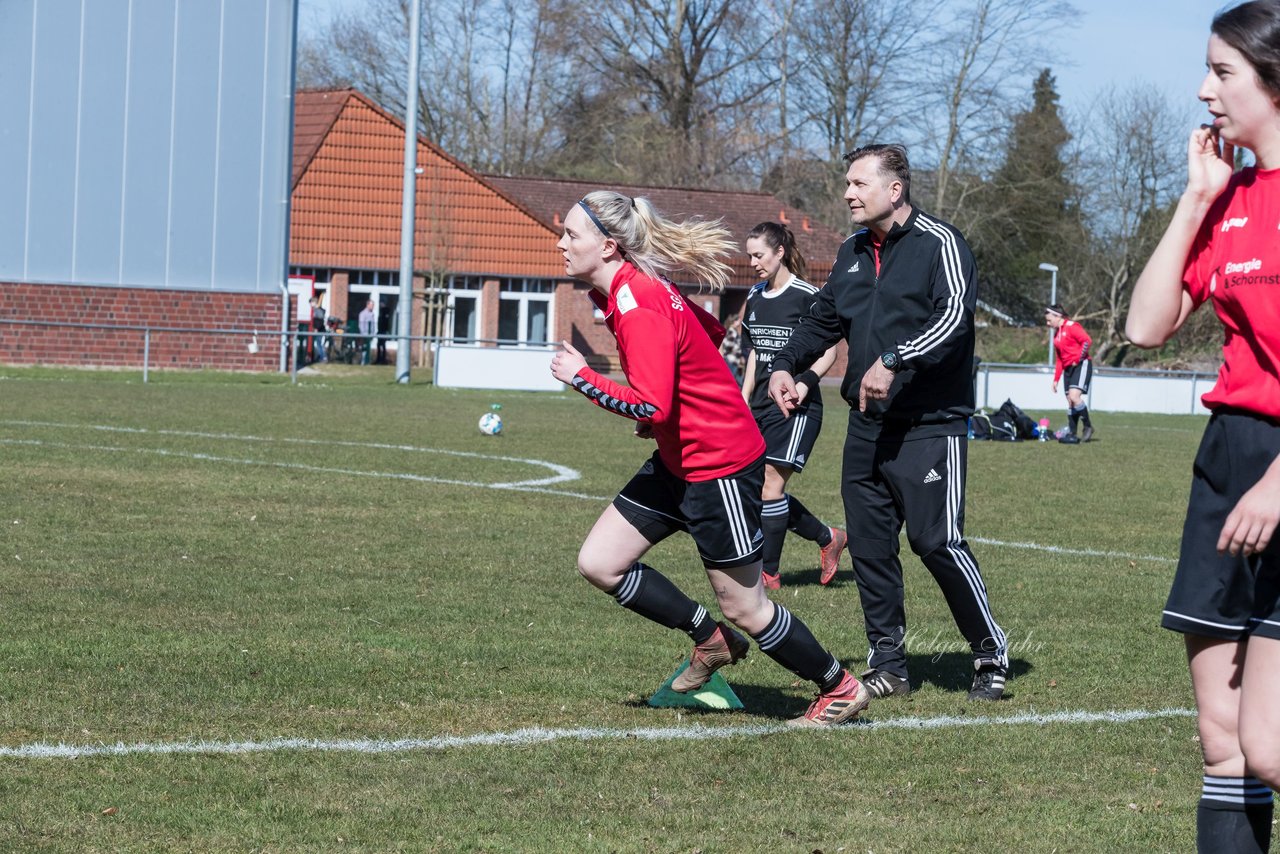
<point>233,561</point>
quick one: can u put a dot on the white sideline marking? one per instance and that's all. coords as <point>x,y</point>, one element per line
<point>1059,550</point>
<point>524,486</point>
<point>562,473</point>
<point>537,735</point>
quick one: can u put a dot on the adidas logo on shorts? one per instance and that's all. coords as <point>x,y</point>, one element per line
<point>932,476</point>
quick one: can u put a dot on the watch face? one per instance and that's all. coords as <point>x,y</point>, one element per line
<point>890,360</point>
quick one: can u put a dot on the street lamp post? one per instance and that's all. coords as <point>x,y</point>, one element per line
<point>1053,299</point>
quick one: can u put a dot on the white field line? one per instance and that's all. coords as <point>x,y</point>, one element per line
<point>1059,550</point>
<point>525,486</point>
<point>562,473</point>
<point>537,735</point>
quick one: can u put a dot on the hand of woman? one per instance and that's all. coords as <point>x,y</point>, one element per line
<point>1253,520</point>
<point>1210,163</point>
<point>566,364</point>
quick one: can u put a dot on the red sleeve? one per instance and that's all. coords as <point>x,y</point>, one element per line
<point>647,342</point>
<point>1080,335</point>
<point>1057,367</point>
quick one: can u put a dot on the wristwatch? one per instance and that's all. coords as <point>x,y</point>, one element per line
<point>891,360</point>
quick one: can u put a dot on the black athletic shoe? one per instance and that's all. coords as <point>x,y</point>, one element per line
<point>1069,439</point>
<point>882,684</point>
<point>988,680</point>
<point>1088,434</point>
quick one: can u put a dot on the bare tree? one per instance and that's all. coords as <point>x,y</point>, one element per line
<point>476,56</point>
<point>978,61</point>
<point>681,73</point>
<point>1133,168</point>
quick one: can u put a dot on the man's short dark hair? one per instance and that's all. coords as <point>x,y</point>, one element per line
<point>893,161</point>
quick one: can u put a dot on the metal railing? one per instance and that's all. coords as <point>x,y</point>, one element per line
<point>290,343</point>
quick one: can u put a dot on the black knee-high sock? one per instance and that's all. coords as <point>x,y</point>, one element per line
<point>1234,815</point>
<point>804,523</point>
<point>652,595</point>
<point>1084,415</point>
<point>773,522</point>
<point>790,643</point>
<point>1073,419</point>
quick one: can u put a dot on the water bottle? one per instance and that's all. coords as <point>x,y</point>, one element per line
<point>1043,429</point>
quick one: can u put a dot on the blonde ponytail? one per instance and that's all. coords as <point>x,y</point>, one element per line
<point>658,246</point>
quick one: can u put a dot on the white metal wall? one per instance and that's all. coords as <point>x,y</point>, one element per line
<point>1113,390</point>
<point>146,142</point>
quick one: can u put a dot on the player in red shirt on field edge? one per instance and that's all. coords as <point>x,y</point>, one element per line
<point>707,475</point>
<point>1073,366</point>
<point>1220,247</point>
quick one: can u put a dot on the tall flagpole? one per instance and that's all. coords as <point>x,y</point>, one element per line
<point>408,216</point>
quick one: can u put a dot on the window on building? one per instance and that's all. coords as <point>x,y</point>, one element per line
<point>525,311</point>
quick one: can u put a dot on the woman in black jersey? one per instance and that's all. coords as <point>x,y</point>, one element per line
<point>774,308</point>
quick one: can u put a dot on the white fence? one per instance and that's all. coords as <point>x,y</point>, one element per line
<point>1113,389</point>
<point>509,368</point>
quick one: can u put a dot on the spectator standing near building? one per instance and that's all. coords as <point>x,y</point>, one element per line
<point>367,322</point>
<point>1073,367</point>
<point>318,325</point>
<point>773,310</point>
<point>708,471</point>
<point>1220,247</point>
<point>902,294</point>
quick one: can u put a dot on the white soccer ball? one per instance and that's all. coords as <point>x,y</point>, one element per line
<point>491,424</point>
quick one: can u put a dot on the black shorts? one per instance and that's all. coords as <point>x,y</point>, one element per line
<point>722,515</point>
<point>1213,594</point>
<point>789,441</point>
<point>1079,375</point>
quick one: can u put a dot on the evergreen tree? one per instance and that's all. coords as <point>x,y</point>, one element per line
<point>1031,208</point>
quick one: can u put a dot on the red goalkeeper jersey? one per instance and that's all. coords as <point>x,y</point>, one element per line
<point>678,380</point>
<point>1071,344</point>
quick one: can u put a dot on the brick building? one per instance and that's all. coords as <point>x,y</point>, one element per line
<point>485,244</point>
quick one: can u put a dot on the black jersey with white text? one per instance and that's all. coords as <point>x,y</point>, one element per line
<point>770,319</point>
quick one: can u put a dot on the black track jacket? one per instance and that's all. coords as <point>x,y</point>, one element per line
<point>916,297</point>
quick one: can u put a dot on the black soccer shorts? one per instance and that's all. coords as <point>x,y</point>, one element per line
<point>1217,595</point>
<point>1079,375</point>
<point>722,515</point>
<point>789,441</point>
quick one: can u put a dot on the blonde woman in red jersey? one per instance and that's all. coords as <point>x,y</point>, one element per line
<point>1221,247</point>
<point>707,474</point>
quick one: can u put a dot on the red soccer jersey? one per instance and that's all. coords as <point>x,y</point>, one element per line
<point>1071,344</point>
<point>1235,262</point>
<point>670,354</point>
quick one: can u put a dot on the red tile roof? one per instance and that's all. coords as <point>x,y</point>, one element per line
<point>348,168</point>
<point>313,114</point>
<point>551,198</point>
<point>348,190</point>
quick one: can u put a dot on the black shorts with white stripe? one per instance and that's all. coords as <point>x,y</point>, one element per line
<point>722,515</point>
<point>1079,375</point>
<point>1218,595</point>
<point>789,441</point>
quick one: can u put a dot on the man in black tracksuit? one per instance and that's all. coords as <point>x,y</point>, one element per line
<point>902,293</point>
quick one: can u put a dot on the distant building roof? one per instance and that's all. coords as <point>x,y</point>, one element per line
<point>550,198</point>
<point>348,174</point>
<point>348,189</point>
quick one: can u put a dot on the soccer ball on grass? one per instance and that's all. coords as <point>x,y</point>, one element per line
<point>490,424</point>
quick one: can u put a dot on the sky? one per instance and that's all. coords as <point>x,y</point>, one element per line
<point>1113,43</point>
